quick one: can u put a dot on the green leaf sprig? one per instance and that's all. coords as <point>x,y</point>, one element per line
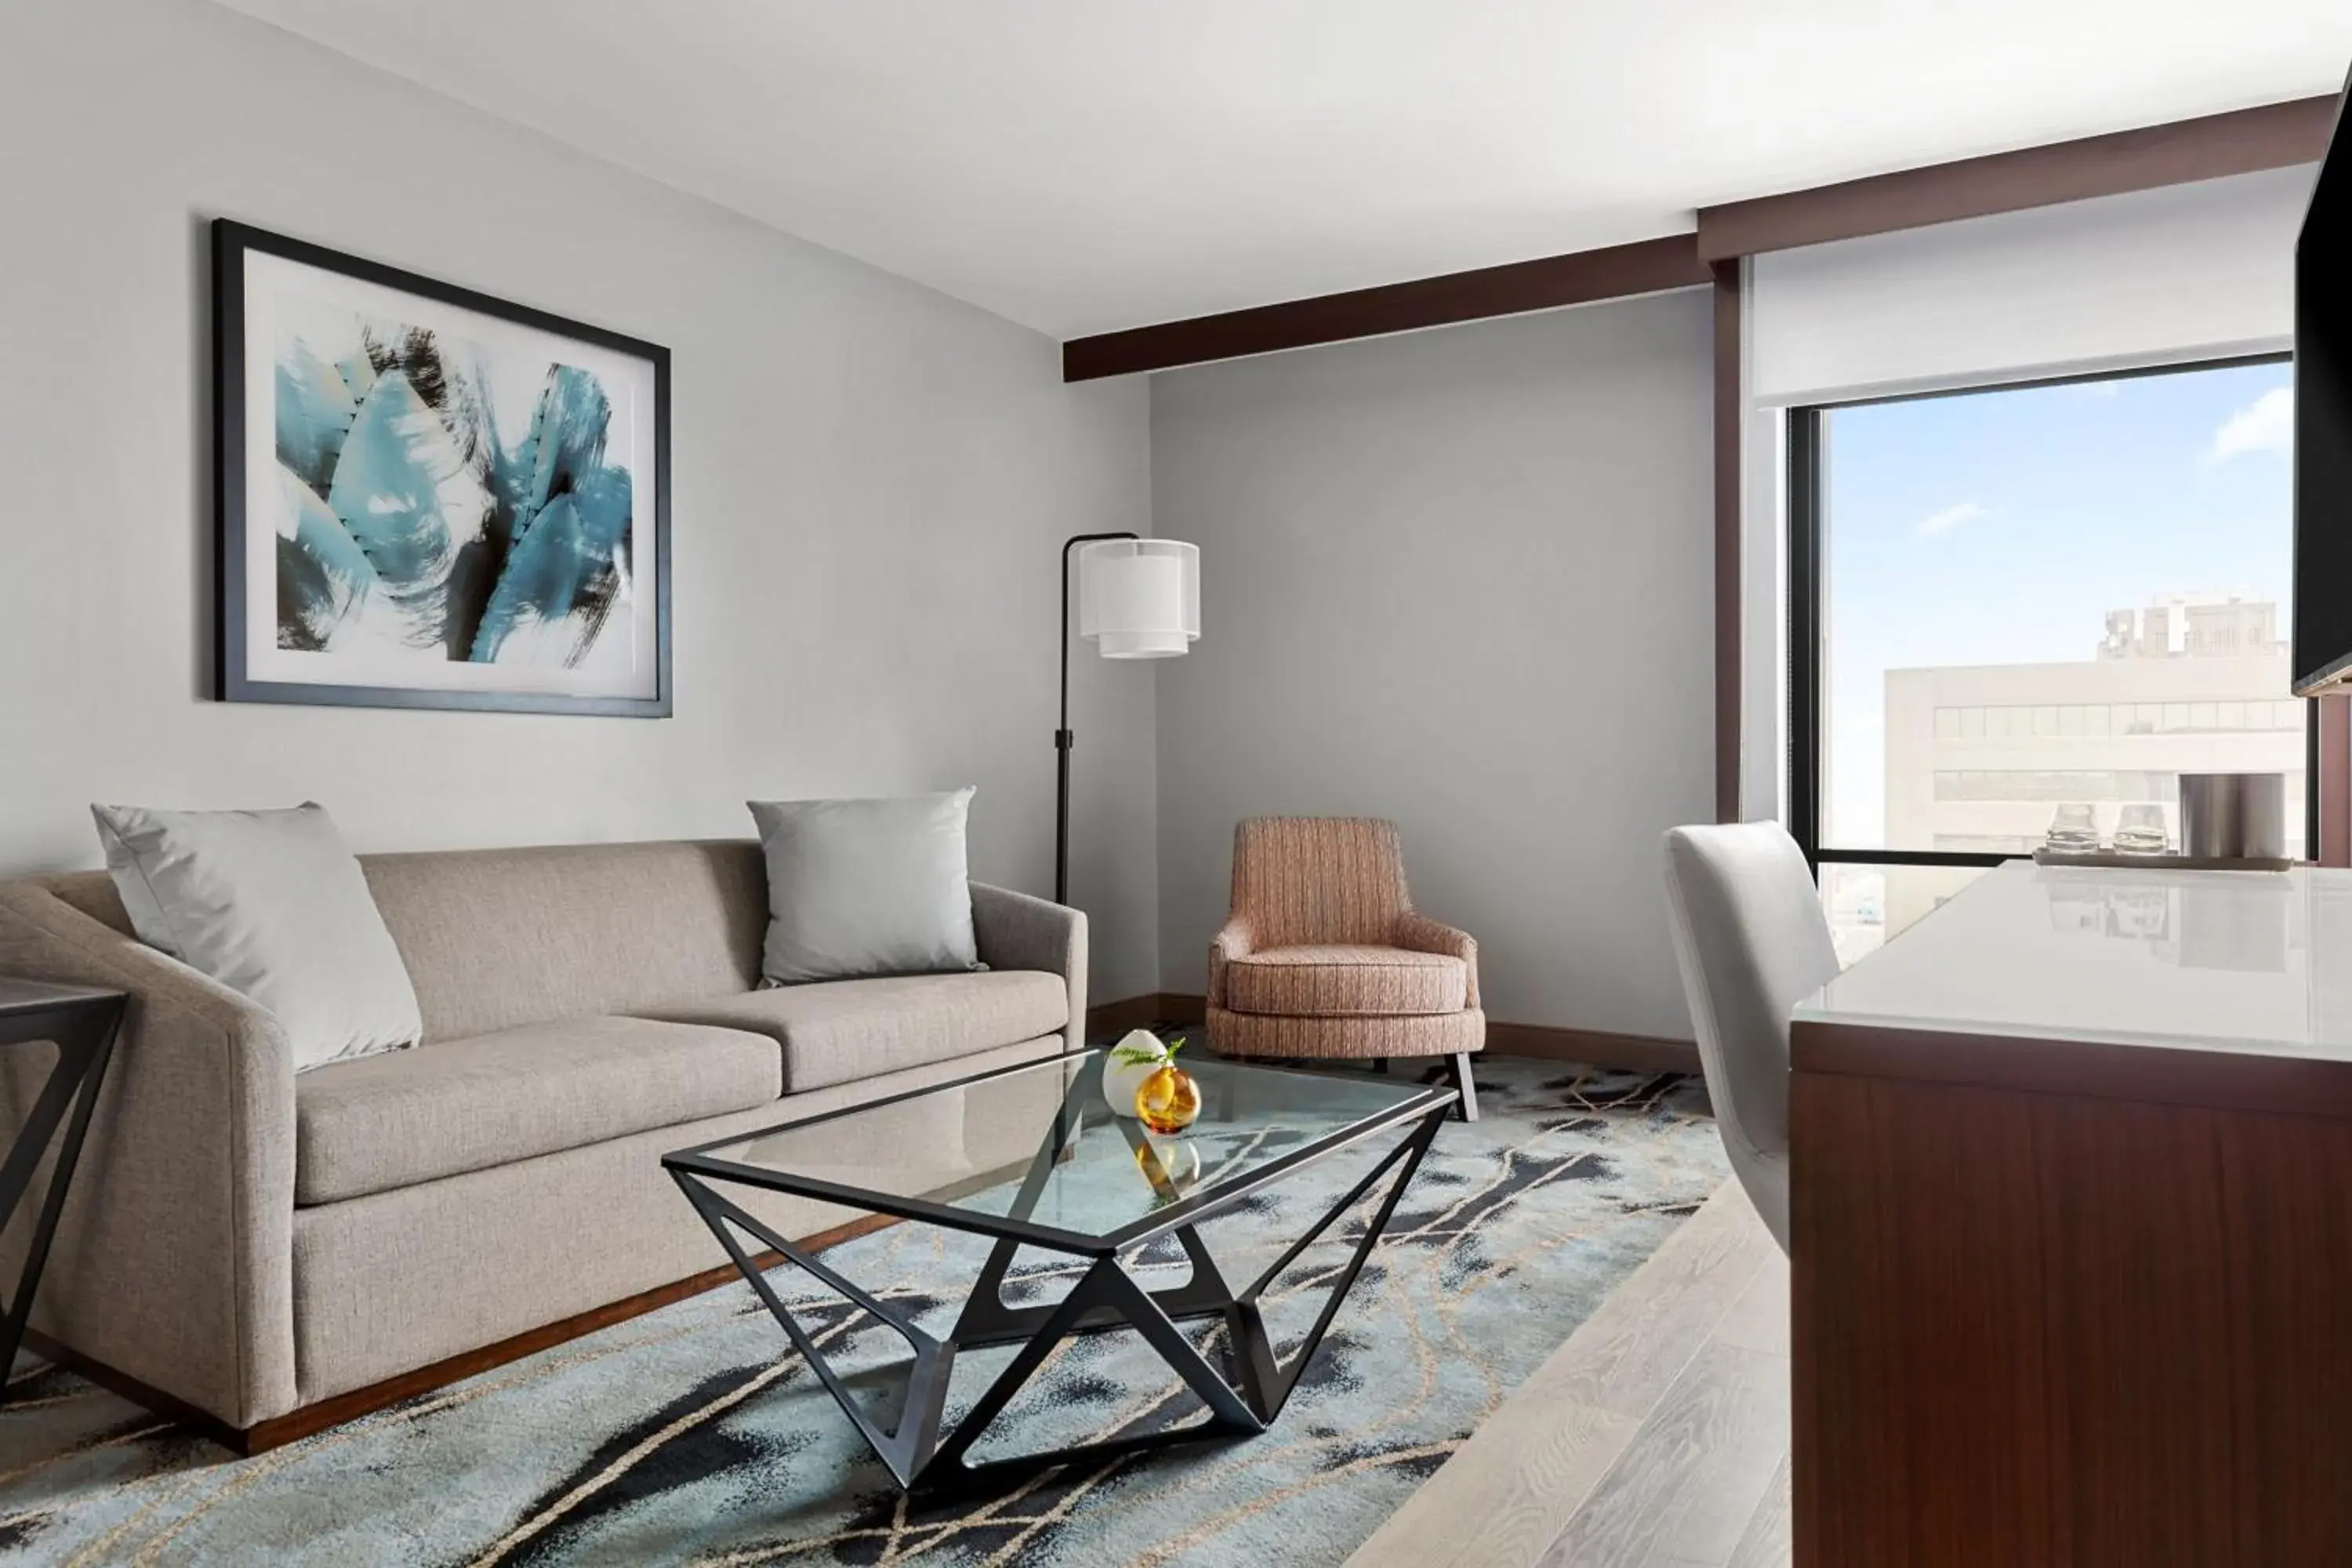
<point>1137,1055</point>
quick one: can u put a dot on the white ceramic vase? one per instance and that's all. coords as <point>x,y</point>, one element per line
<point>1120,1080</point>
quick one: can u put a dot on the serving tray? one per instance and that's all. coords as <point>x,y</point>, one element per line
<point>2156,862</point>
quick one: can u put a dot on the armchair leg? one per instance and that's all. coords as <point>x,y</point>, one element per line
<point>1458,1070</point>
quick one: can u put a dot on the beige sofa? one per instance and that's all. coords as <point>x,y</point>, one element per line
<point>254,1243</point>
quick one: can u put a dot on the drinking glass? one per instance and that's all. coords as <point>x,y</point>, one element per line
<point>2074,830</point>
<point>2140,830</point>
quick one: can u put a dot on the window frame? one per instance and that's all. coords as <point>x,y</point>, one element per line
<point>1806,482</point>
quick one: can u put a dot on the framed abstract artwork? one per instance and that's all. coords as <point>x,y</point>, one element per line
<point>429,498</point>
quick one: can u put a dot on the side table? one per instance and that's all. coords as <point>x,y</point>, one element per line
<point>83,1023</point>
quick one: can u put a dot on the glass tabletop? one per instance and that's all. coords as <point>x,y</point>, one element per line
<point>1036,1152</point>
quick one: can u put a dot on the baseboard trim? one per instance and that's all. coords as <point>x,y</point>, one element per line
<point>1113,1018</point>
<point>311,1419</point>
<point>1550,1042</point>
<point>1596,1047</point>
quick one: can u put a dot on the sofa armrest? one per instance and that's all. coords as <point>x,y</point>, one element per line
<point>1419,933</point>
<point>173,1261</point>
<point>1015,931</point>
<point>1236,939</point>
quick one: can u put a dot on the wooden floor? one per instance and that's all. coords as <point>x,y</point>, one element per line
<point>1658,1434</point>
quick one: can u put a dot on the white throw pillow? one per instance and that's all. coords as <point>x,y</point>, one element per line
<point>272,905</point>
<point>865,887</point>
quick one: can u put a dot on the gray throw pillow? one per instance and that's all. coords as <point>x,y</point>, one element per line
<point>274,906</point>
<point>865,887</point>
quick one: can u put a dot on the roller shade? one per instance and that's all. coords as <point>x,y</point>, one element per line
<point>2187,272</point>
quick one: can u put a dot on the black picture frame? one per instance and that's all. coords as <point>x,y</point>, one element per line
<point>232,242</point>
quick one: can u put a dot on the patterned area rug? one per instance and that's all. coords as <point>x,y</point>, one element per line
<point>694,1435</point>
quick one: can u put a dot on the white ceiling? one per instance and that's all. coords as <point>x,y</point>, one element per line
<point>1081,166</point>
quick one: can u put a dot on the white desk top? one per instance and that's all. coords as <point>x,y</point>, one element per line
<point>2257,963</point>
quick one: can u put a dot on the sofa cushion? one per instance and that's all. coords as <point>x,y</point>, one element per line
<point>1345,981</point>
<point>381,1122</point>
<point>495,938</point>
<point>841,1030</point>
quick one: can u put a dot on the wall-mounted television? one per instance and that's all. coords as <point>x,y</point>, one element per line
<point>2323,427</point>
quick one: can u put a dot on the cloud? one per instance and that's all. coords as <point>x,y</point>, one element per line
<point>1951,517</point>
<point>2265,425</point>
<point>2100,388</point>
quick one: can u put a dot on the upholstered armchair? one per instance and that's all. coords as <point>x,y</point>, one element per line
<point>1324,956</point>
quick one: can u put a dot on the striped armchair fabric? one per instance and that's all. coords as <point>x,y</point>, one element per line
<point>1324,956</point>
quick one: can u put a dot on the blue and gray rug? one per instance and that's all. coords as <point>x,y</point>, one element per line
<point>694,1435</point>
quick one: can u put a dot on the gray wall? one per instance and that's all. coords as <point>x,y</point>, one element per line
<point>1463,579</point>
<point>870,481</point>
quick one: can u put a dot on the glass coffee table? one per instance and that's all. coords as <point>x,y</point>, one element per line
<point>1055,1171</point>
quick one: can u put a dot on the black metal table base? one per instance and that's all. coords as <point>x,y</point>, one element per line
<point>82,1024</point>
<point>1243,1400</point>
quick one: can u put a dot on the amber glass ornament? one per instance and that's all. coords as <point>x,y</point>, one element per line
<point>1169,1100</point>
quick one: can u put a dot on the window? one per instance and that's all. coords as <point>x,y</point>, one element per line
<point>2008,600</point>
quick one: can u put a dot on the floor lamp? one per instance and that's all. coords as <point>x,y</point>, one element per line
<point>1137,598</point>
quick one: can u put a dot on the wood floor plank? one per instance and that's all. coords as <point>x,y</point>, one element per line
<point>1758,1319</point>
<point>1500,1506</point>
<point>1769,1541</point>
<point>1718,1499</point>
<point>1630,1351</point>
<point>1690,1482</point>
<point>1511,1490</point>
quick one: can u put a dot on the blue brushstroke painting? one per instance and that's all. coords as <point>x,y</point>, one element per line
<point>410,521</point>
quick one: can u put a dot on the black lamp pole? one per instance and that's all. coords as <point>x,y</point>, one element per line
<point>1062,737</point>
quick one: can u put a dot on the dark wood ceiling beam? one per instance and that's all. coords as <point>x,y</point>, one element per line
<point>1645,266</point>
<point>2240,143</point>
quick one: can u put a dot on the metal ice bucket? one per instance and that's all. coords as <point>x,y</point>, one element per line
<point>2234,816</point>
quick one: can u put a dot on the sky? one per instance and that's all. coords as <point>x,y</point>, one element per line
<point>2000,528</point>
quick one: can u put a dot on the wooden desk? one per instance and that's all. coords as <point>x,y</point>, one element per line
<point>2072,1229</point>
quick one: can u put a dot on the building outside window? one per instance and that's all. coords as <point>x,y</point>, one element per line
<point>2012,600</point>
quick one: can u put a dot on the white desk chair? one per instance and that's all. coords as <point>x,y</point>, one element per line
<point>1752,943</point>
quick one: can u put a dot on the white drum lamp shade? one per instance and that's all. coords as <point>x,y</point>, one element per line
<point>1139,598</point>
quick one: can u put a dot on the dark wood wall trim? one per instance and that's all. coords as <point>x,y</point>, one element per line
<point>1594,1047</point>
<point>1113,1019</point>
<point>2335,846</point>
<point>1645,266</point>
<point>1730,475</point>
<point>2240,143</point>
